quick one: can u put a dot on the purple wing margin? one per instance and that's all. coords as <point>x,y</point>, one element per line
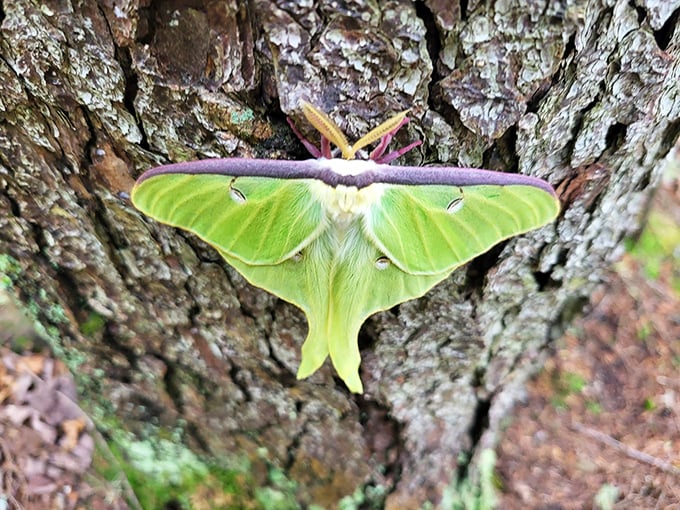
<point>320,169</point>
<point>241,167</point>
<point>453,176</point>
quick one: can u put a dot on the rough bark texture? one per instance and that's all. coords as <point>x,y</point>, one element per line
<point>164,337</point>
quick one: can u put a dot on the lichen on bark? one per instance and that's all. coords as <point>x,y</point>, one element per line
<point>583,94</point>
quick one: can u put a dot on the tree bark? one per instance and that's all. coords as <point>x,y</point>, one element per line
<point>164,338</point>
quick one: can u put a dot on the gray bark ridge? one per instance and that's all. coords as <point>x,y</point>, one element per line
<point>163,336</point>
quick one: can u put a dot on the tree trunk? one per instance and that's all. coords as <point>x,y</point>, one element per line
<point>167,341</point>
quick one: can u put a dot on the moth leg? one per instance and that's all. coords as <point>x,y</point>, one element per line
<point>386,139</point>
<point>377,153</point>
<point>387,158</point>
<point>313,150</point>
<point>326,147</point>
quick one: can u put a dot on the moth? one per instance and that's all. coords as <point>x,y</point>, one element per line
<point>344,235</point>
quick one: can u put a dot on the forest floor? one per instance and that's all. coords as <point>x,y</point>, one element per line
<point>599,428</point>
<point>600,425</point>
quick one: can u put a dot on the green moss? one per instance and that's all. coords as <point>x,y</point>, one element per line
<point>92,325</point>
<point>8,264</point>
<point>241,116</point>
<point>274,499</point>
<point>41,306</point>
<point>163,472</point>
<point>10,269</point>
<point>644,331</point>
<point>479,494</point>
<point>594,407</point>
<point>658,245</point>
<point>565,384</point>
<point>558,402</point>
<point>280,493</point>
<point>371,497</point>
<point>573,383</point>
<point>165,461</point>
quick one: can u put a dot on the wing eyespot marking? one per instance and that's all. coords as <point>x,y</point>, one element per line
<point>382,263</point>
<point>236,194</point>
<point>297,258</point>
<point>455,205</point>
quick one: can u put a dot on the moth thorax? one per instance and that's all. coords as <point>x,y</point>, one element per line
<point>345,203</point>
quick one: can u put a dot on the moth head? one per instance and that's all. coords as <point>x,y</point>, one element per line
<point>331,134</point>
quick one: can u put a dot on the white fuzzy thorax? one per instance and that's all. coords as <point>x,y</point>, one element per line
<point>350,166</point>
<point>345,203</point>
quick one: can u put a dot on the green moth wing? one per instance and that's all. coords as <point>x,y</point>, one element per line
<point>259,220</point>
<point>338,290</point>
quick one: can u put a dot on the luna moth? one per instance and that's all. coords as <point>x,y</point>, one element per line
<point>344,235</point>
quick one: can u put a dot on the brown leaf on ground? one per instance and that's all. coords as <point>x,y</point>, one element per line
<point>31,363</point>
<point>46,448</point>
<point>71,430</point>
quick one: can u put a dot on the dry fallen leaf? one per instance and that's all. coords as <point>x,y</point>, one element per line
<point>71,429</point>
<point>34,363</point>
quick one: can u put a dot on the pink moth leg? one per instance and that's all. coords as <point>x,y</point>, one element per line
<point>325,151</point>
<point>377,154</point>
